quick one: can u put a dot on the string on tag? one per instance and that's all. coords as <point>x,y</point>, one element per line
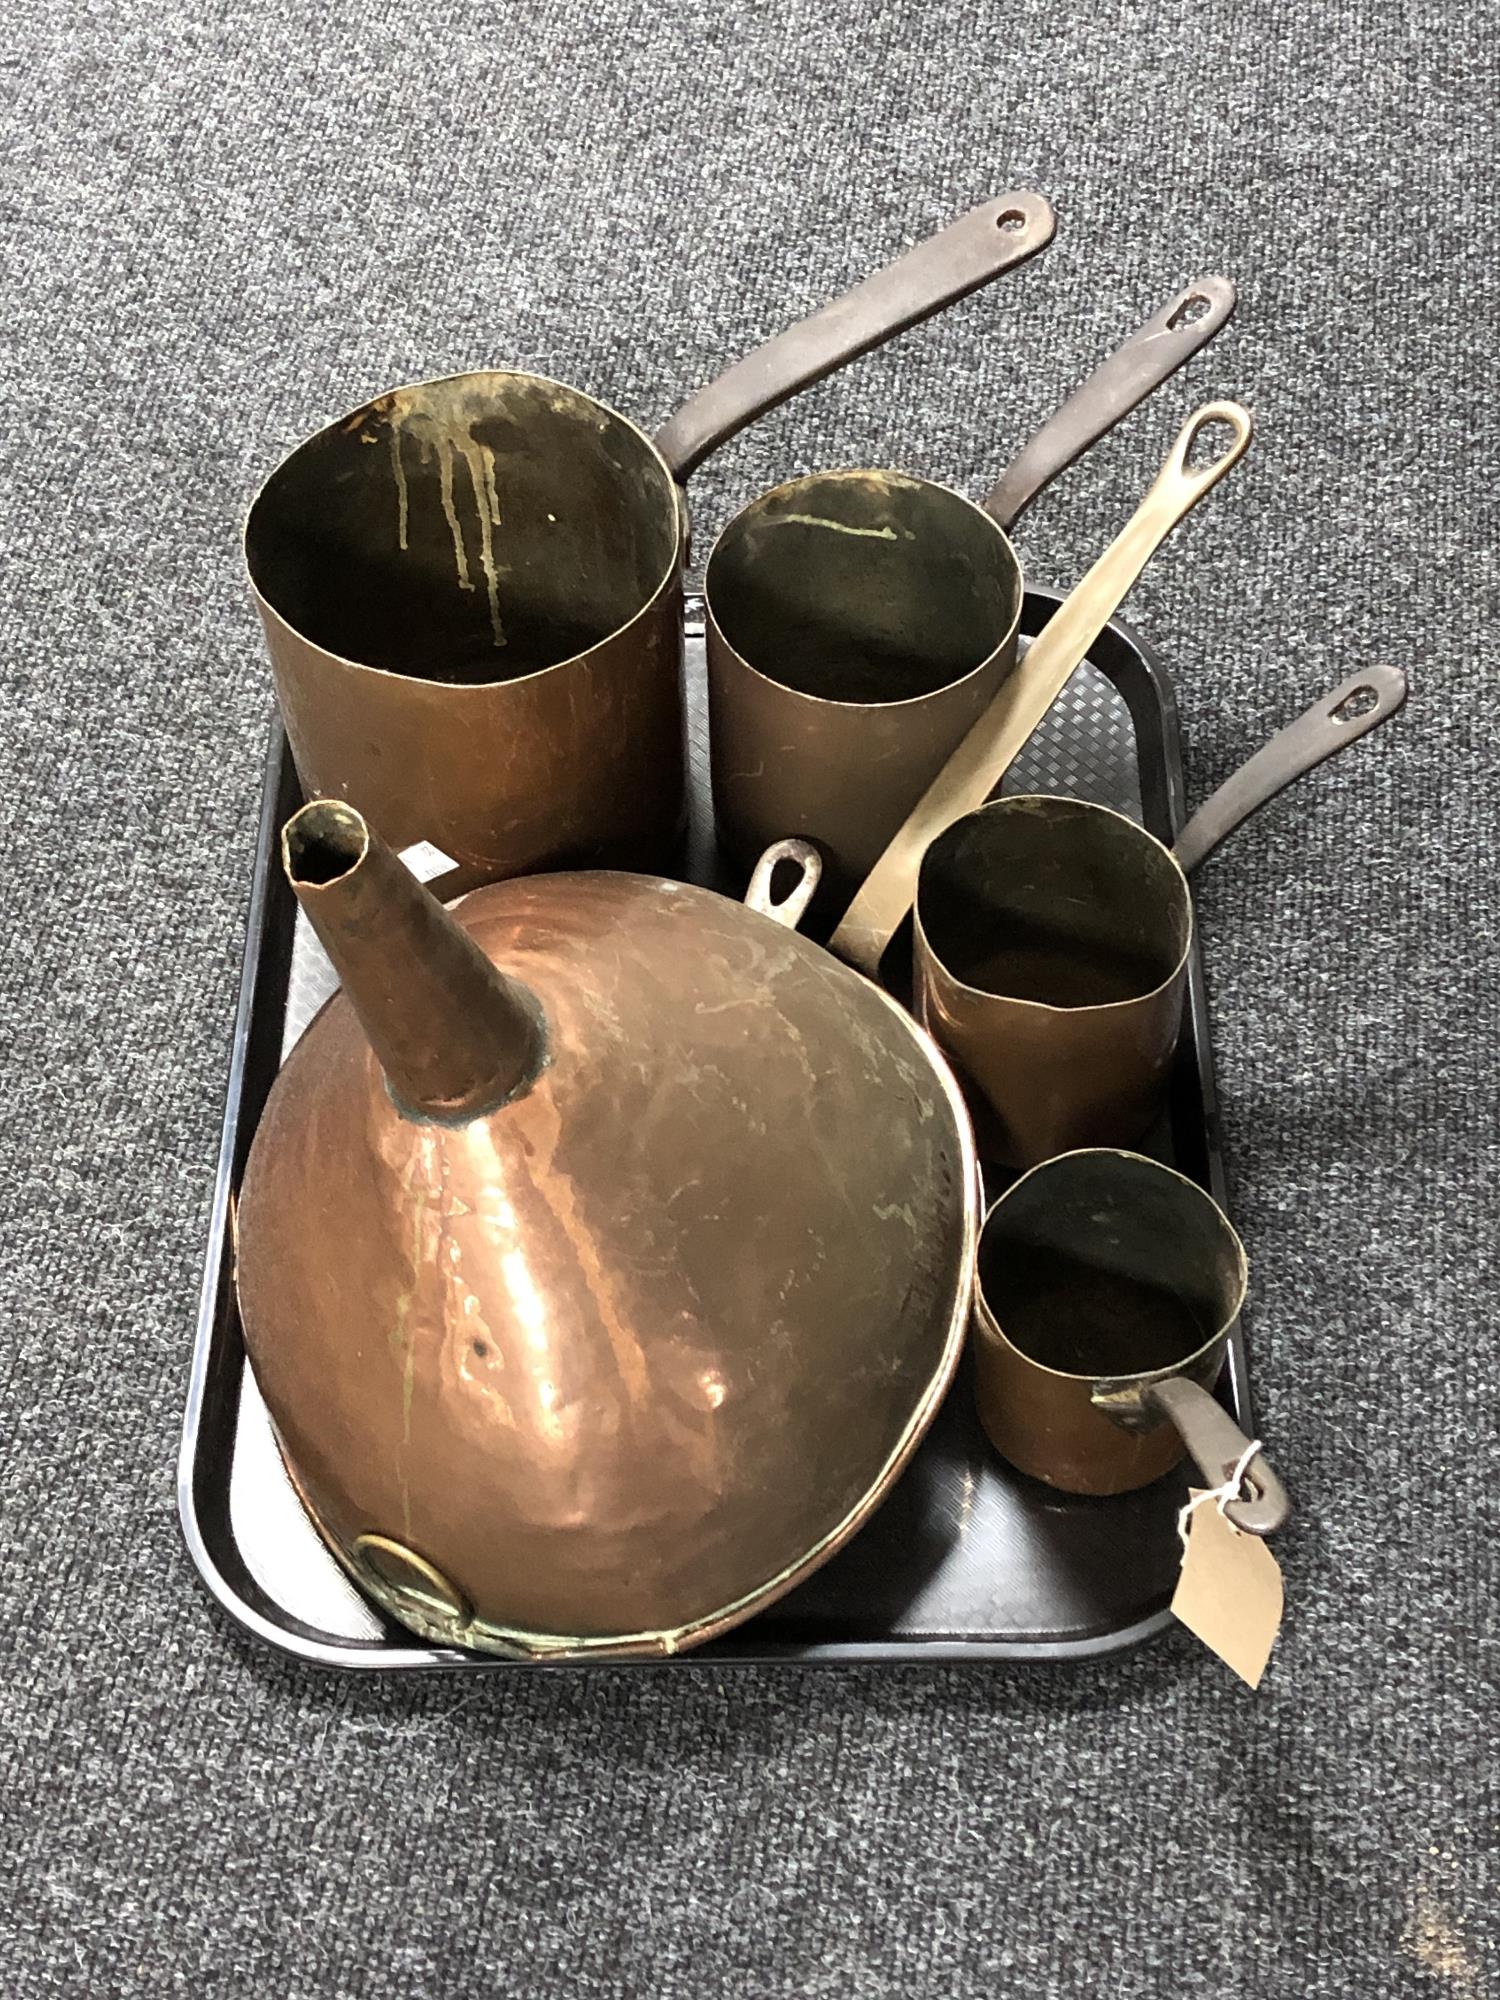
<point>1220,1495</point>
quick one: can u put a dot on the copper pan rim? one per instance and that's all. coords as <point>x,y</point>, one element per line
<point>474,688</point>
<point>993,1330</point>
<point>816,702</point>
<point>1048,1006</point>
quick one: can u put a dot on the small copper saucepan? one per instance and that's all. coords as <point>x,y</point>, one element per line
<point>1107,1288</point>
<point>1053,936</point>
<point>472,587</point>
<point>859,622</point>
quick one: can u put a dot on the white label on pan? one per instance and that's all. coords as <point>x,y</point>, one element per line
<point>426,861</point>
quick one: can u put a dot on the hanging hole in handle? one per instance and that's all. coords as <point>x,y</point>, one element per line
<point>1189,312</point>
<point>1010,220</point>
<point>787,876</point>
<point>1208,444</point>
<point>1357,702</point>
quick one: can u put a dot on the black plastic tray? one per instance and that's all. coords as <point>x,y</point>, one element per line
<point>967,1560</point>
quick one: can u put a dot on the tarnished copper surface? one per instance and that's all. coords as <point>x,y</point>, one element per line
<point>614,1364</point>
<point>1098,1272</point>
<point>857,625</point>
<point>1052,940</point>
<point>470,591</point>
<point>471,587</point>
<point>859,622</point>
<point>415,971</point>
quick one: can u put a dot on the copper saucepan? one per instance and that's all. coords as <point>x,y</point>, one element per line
<point>1108,1285</point>
<point>603,1251</point>
<point>986,753</point>
<point>859,622</point>
<point>471,588</point>
<point>1053,936</point>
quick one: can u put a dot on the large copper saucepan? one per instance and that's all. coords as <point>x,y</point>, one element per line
<point>860,622</point>
<point>603,1251</point>
<point>471,587</point>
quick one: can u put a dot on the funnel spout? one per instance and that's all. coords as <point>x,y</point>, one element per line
<point>455,1036</point>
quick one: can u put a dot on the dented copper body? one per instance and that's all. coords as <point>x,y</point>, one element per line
<point>471,595</point>
<point>604,1250</point>
<point>471,587</point>
<point>1052,940</point>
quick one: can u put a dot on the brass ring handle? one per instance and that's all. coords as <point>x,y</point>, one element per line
<point>792,907</point>
<point>979,247</point>
<point>1177,476</point>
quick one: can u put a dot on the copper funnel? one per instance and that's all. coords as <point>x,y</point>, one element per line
<point>604,1250</point>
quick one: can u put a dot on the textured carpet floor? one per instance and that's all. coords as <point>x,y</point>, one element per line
<point>223,225</point>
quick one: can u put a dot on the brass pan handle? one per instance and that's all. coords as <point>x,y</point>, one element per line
<point>1178,487</point>
<point>979,247</point>
<point>792,907</point>
<point>1151,356</point>
<point>1351,710</point>
<point>997,738</point>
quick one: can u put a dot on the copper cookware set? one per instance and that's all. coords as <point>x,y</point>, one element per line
<point>606,1245</point>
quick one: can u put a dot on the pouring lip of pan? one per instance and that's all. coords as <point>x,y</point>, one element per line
<point>817,701</point>
<point>990,1322</point>
<point>460,689</point>
<point>557,1646</point>
<point>1049,1006</point>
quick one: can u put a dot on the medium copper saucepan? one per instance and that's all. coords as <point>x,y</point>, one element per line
<point>471,588</point>
<point>986,753</point>
<point>1053,936</point>
<point>603,1251</point>
<point>859,622</point>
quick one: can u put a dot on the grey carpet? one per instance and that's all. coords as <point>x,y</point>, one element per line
<point>223,225</point>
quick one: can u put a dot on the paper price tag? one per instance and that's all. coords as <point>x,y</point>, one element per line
<point>425,861</point>
<point>1230,1592</point>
